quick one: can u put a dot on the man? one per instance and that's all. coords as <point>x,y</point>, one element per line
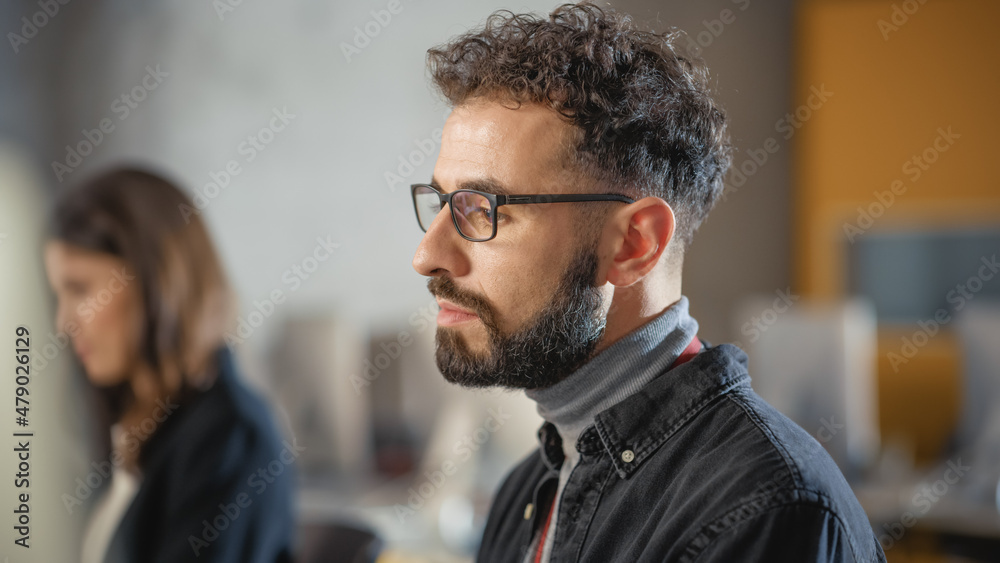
<point>580,156</point>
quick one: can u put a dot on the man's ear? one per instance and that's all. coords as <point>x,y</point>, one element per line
<point>641,233</point>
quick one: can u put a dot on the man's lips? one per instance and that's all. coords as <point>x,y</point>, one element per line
<point>451,314</point>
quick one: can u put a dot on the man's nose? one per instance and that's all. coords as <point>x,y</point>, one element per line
<point>442,250</point>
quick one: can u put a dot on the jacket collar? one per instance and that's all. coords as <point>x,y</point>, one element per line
<point>646,420</point>
<point>632,430</point>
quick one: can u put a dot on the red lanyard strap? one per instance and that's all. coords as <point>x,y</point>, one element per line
<point>689,352</point>
<point>545,531</point>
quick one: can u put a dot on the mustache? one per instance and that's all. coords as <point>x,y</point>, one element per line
<point>445,288</point>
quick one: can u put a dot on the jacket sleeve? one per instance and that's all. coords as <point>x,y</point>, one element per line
<point>789,532</point>
<point>232,501</point>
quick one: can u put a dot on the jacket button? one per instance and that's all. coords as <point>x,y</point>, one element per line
<point>528,511</point>
<point>628,456</point>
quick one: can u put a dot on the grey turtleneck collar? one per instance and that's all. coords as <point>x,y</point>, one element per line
<point>615,373</point>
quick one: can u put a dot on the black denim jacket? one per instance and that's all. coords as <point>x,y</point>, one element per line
<point>694,467</point>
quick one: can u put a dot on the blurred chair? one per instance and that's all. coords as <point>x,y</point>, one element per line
<point>336,543</point>
<point>978,434</point>
<point>816,364</point>
<point>318,356</point>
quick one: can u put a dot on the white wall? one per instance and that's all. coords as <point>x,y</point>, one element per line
<point>322,176</point>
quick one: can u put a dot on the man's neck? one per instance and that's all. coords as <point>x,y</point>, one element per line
<point>634,306</point>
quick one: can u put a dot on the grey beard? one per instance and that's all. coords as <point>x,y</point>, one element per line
<point>556,343</point>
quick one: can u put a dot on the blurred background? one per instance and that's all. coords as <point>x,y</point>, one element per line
<point>854,254</point>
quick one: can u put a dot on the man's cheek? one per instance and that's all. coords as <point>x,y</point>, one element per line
<point>535,290</point>
<point>517,315</point>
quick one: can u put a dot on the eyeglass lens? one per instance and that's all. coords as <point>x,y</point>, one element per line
<point>472,211</point>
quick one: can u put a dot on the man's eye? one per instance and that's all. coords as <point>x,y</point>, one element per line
<point>483,214</point>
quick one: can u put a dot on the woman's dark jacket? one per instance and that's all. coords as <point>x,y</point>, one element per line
<point>218,482</point>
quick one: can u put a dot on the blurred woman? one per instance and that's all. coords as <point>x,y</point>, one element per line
<point>200,471</point>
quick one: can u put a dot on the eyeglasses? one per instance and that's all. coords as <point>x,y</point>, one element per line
<point>475,213</point>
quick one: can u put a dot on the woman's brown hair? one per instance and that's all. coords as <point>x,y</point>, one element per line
<point>187,304</point>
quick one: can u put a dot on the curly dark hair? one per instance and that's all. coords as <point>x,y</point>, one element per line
<point>645,118</point>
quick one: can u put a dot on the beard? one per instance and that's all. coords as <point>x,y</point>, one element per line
<point>555,343</point>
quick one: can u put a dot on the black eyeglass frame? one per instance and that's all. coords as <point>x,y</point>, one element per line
<point>497,200</point>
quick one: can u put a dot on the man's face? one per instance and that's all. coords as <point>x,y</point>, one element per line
<point>520,310</point>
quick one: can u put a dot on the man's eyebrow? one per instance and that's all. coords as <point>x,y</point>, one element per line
<point>488,185</point>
